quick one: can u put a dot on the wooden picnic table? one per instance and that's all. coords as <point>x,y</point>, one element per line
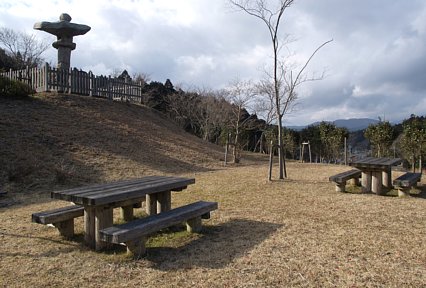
<point>99,200</point>
<point>376,172</point>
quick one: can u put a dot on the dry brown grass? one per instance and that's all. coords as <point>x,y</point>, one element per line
<point>51,141</point>
<point>298,232</point>
<point>293,233</point>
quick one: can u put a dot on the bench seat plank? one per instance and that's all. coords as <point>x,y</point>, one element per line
<point>341,178</point>
<point>345,176</point>
<point>142,227</point>
<point>61,218</point>
<point>404,183</point>
<point>58,215</point>
<point>407,180</point>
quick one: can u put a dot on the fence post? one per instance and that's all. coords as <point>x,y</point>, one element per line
<point>90,84</point>
<point>109,94</point>
<point>45,77</point>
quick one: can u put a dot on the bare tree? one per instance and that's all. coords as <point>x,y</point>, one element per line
<point>283,82</point>
<point>24,48</point>
<point>240,94</point>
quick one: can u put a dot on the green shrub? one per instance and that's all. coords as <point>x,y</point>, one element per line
<point>14,89</point>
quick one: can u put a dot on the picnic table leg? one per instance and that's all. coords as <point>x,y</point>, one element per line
<point>89,226</point>
<point>126,212</point>
<point>164,201</point>
<point>387,178</point>
<point>376,182</point>
<point>151,204</point>
<point>103,219</point>
<point>366,181</point>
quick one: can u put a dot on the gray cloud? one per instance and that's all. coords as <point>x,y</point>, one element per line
<point>375,64</point>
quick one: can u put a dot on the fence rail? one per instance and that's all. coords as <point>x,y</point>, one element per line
<point>47,79</point>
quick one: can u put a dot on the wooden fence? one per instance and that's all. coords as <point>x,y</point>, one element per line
<point>47,79</point>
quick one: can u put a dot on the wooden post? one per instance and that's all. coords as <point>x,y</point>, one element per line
<point>387,178</point>
<point>163,201</point>
<point>271,148</point>
<point>194,225</point>
<point>310,154</point>
<point>340,187</point>
<point>103,219</point>
<point>126,213</point>
<point>366,181</point>
<point>376,182</point>
<point>136,248</point>
<point>89,224</point>
<point>45,77</point>
<point>151,204</point>
<point>66,228</point>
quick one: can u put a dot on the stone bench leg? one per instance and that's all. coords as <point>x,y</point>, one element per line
<point>403,192</point>
<point>340,187</point>
<point>193,225</point>
<point>66,228</point>
<point>136,248</point>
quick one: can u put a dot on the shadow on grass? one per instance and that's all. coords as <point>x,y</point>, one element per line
<point>70,245</point>
<point>216,248</point>
<point>419,192</point>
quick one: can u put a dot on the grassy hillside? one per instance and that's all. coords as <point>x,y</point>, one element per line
<point>51,141</point>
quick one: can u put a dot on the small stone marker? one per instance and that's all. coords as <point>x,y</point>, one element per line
<point>64,30</point>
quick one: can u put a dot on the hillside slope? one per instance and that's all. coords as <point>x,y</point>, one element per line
<point>52,141</point>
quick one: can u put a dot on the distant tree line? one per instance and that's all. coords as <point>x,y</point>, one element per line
<point>216,116</point>
<point>219,116</point>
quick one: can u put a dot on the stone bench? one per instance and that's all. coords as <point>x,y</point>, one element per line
<point>61,218</point>
<point>405,182</point>
<point>134,233</point>
<point>341,178</point>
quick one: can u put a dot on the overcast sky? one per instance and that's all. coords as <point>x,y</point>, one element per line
<point>376,65</point>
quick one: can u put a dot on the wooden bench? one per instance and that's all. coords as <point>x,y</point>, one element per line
<point>134,233</point>
<point>404,183</point>
<point>341,178</point>
<point>61,218</point>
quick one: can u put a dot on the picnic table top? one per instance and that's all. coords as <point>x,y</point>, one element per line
<point>376,163</point>
<point>105,194</point>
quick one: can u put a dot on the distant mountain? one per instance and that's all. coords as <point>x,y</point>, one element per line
<point>354,124</point>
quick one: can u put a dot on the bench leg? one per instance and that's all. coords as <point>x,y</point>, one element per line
<point>136,248</point>
<point>206,216</point>
<point>66,228</point>
<point>340,187</point>
<point>126,212</point>
<point>403,192</point>
<point>193,225</point>
<point>151,204</point>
